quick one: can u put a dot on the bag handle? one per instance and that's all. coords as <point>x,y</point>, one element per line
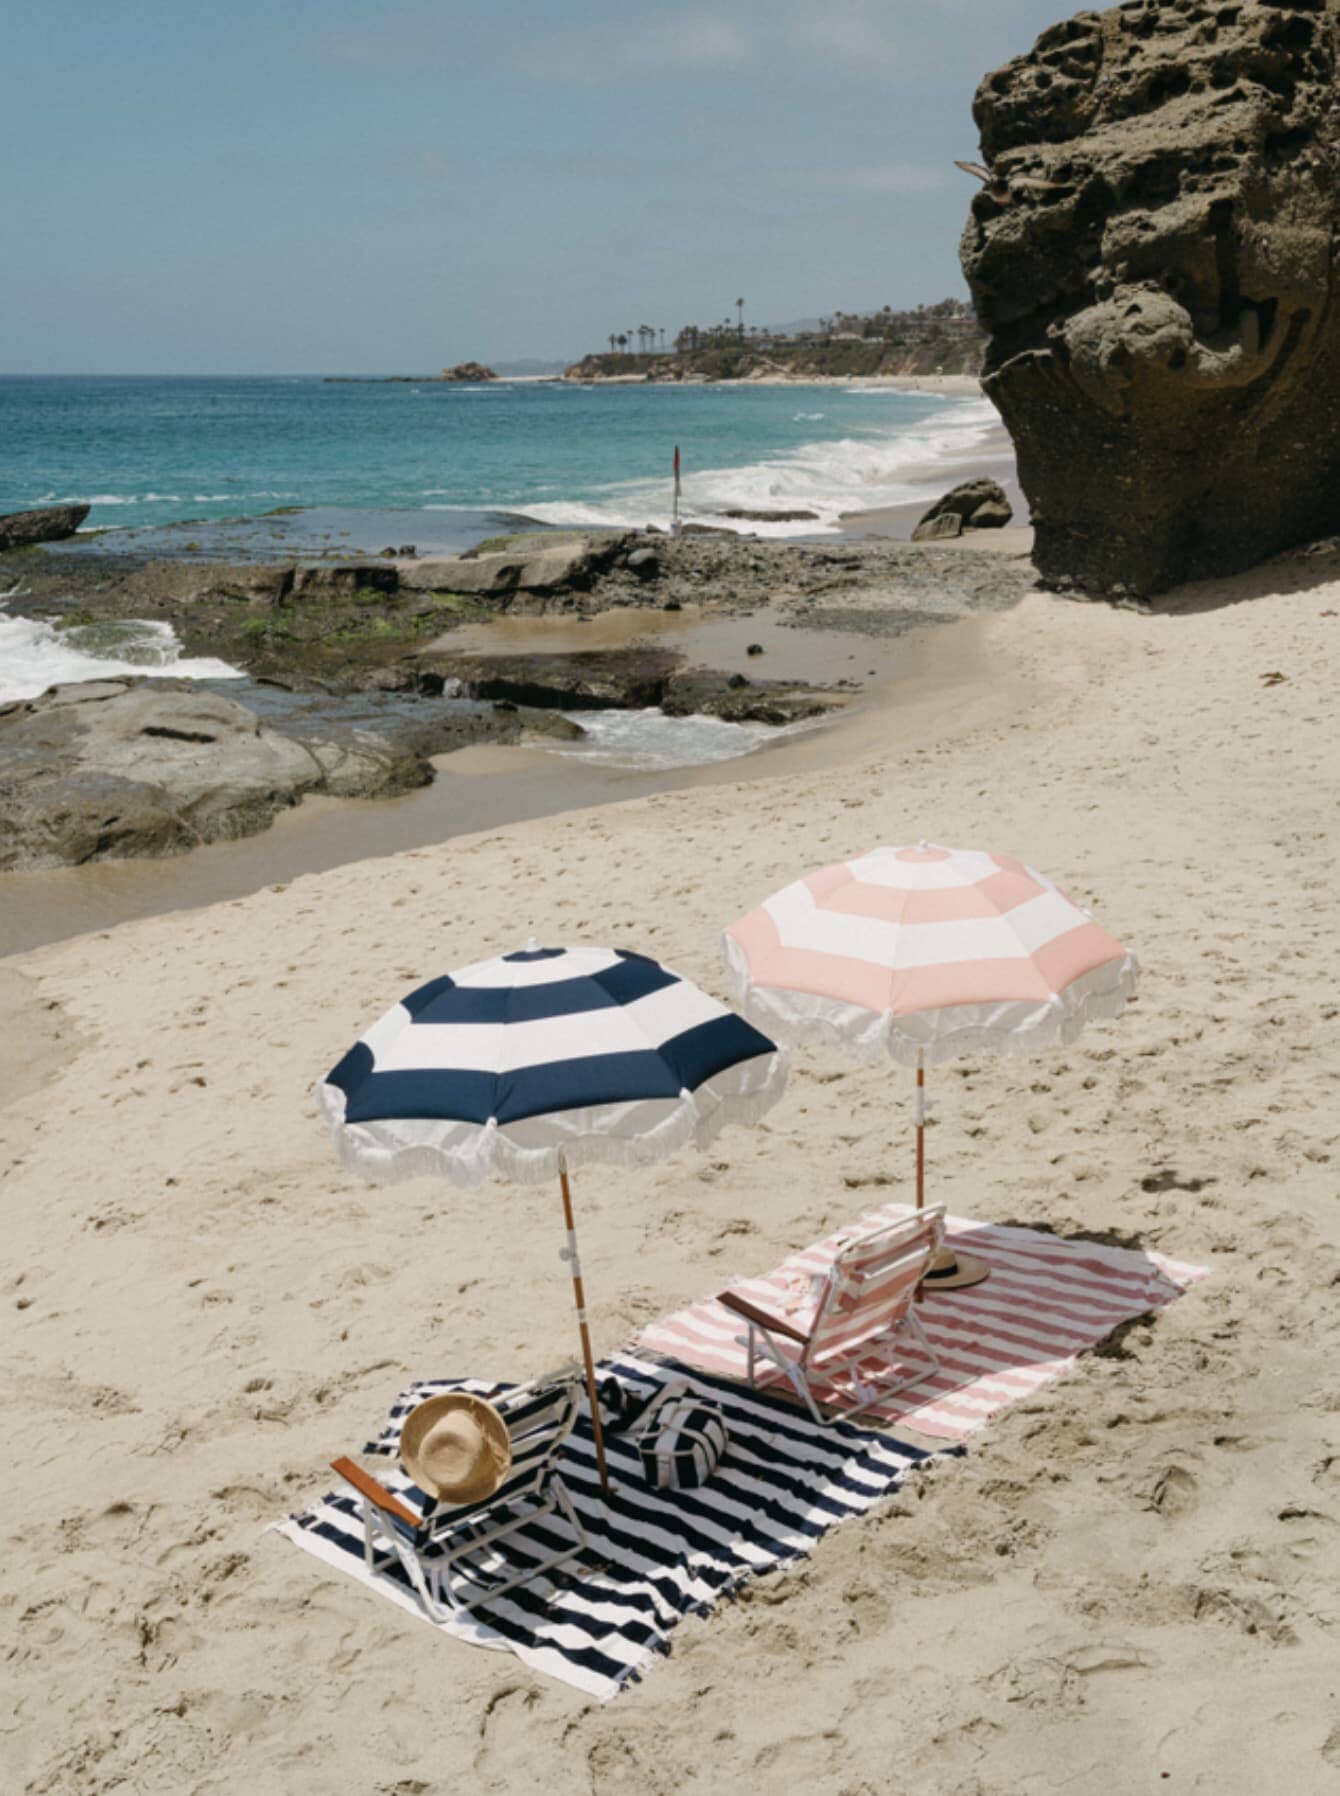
<point>650,1413</point>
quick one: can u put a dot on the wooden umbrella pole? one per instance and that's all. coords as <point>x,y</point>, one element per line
<point>579,1297</point>
<point>968,1269</point>
<point>921,1152</point>
<point>921,1136</point>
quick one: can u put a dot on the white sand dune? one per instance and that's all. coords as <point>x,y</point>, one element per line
<point>1132,1575</point>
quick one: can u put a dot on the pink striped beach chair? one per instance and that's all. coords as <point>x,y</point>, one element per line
<point>848,1340</point>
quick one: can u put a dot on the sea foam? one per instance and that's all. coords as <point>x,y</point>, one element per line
<point>34,655</point>
<point>873,467</point>
<point>649,740</point>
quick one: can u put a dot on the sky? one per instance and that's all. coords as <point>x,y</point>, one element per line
<point>329,186</point>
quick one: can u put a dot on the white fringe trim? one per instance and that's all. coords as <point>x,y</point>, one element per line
<point>466,1154</point>
<point>931,1037</point>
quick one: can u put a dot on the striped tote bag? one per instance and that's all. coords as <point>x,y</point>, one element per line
<point>682,1439</point>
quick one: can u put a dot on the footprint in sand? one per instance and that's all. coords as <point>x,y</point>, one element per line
<point>1176,1492</point>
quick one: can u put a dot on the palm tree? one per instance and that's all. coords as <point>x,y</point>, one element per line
<point>739,307</point>
<point>623,342</point>
<point>613,340</point>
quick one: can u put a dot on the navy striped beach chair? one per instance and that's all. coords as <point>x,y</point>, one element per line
<point>451,1553</point>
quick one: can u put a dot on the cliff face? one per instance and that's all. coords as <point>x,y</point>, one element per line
<point>955,352</point>
<point>1155,265</point>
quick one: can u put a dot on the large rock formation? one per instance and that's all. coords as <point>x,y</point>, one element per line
<point>1155,261</point>
<point>21,529</point>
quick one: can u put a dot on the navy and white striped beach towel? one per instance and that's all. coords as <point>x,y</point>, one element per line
<point>655,1555</point>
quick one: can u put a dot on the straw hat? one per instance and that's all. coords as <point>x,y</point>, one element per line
<point>953,1271</point>
<point>456,1447</point>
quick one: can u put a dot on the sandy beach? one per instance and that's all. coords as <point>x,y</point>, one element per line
<point>1129,1583</point>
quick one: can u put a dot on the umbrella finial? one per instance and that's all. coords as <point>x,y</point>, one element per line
<point>532,946</point>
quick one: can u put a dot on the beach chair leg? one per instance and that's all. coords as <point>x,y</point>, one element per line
<point>433,1588</point>
<point>458,1585</point>
<point>426,1582</point>
<point>373,1529</point>
<point>570,1515</point>
<point>923,1341</point>
<point>800,1383</point>
<point>369,1549</point>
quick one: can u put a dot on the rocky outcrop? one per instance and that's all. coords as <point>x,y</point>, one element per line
<point>326,582</point>
<point>769,517</point>
<point>21,529</point>
<point>109,769</point>
<point>345,627</point>
<point>601,680</point>
<point>954,349</point>
<point>704,692</point>
<point>472,371</point>
<point>533,562</point>
<point>1156,266</point>
<point>973,505</point>
<point>627,679</point>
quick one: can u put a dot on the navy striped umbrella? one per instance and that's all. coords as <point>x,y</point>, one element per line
<point>536,1061</point>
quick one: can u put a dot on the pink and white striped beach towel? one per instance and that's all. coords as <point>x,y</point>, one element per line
<point>1046,1301</point>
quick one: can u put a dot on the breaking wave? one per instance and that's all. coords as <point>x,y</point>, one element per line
<point>649,740</point>
<point>35,655</point>
<point>860,472</point>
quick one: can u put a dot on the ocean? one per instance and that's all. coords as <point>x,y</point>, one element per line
<point>266,469</point>
<point>170,466</point>
<point>153,451</point>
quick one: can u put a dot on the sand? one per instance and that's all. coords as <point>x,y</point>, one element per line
<point>1128,1584</point>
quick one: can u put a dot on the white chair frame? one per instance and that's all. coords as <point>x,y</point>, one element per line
<point>896,1247</point>
<point>455,1578</point>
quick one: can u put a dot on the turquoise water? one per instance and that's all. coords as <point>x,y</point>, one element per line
<point>149,451</point>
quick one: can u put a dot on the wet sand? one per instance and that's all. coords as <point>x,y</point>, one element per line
<point>706,638</point>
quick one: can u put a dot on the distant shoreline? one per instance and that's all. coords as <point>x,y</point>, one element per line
<point>951,385</point>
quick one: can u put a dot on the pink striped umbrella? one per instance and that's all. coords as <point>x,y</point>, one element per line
<point>924,954</point>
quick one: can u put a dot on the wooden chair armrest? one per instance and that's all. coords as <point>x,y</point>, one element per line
<point>751,1313</point>
<point>367,1486</point>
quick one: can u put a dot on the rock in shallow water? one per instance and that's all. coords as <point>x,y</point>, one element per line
<point>601,679</point>
<point>769,517</point>
<point>972,505</point>
<point>107,769</point>
<point>940,526</point>
<point>1156,263</point>
<point>21,529</point>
